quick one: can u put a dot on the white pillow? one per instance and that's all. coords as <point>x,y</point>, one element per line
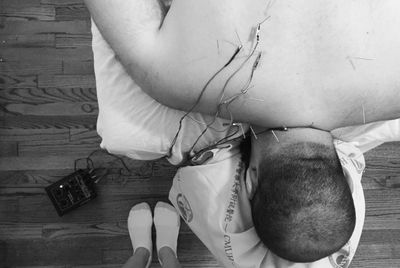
<point>133,124</point>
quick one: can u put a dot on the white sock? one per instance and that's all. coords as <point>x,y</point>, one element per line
<point>167,222</point>
<point>140,221</point>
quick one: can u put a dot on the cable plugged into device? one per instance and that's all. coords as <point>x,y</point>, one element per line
<point>79,187</point>
<point>74,190</point>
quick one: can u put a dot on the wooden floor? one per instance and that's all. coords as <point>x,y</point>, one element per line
<point>48,117</point>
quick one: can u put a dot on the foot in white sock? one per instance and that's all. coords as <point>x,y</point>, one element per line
<point>167,222</point>
<point>140,221</point>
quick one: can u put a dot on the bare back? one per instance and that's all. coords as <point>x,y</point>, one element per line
<point>295,63</point>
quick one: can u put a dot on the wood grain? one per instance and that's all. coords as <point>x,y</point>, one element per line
<point>54,109</point>
<point>47,95</point>
<point>45,54</point>
<point>33,134</point>
<point>21,3</point>
<point>74,12</point>
<point>8,149</point>
<point>66,81</point>
<point>14,81</point>
<point>73,40</point>
<point>21,68</point>
<point>43,27</point>
<point>44,122</point>
<point>61,2</point>
<point>37,40</point>
<point>42,13</point>
<point>78,67</point>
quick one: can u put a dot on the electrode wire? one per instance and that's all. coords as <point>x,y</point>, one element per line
<point>245,88</point>
<point>238,49</point>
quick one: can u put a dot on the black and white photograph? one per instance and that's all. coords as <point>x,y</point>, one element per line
<point>200,133</point>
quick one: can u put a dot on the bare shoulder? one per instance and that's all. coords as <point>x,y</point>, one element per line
<point>317,62</point>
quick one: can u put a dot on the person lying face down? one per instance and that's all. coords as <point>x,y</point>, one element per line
<point>132,124</point>
<point>234,84</point>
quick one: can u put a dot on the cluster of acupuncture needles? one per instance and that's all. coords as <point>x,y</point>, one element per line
<point>223,100</point>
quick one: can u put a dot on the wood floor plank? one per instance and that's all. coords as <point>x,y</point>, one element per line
<point>71,12</point>
<point>38,163</point>
<point>66,81</point>
<point>73,41</point>
<point>21,3</point>
<point>31,178</point>
<point>8,206</point>
<point>46,54</point>
<point>8,149</point>
<point>376,199</point>
<point>373,263</point>
<point>47,95</point>
<point>37,40</point>
<point>56,252</point>
<point>382,167</point>
<point>41,13</point>
<point>83,134</point>
<point>14,81</point>
<point>61,2</point>
<point>78,67</point>
<point>20,68</point>
<point>58,231</point>
<point>57,148</point>
<point>12,231</point>
<point>390,180</point>
<point>33,134</point>
<point>380,236</point>
<point>3,253</point>
<point>53,109</point>
<point>381,222</point>
<point>383,209</point>
<point>43,27</point>
<point>381,251</point>
<point>44,266</point>
<point>45,122</point>
<point>384,156</point>
<point>98,266</point>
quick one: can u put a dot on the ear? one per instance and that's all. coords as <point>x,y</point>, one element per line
<point>251,181</point>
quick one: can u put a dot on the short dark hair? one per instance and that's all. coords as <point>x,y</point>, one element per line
<point>303,209</point>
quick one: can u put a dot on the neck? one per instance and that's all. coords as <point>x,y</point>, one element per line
<point>271,141</point>
<point>300,134</point>
<point>293,135</point>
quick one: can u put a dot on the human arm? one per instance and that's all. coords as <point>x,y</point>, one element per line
<point>131,28</point>
<point>133,124</point>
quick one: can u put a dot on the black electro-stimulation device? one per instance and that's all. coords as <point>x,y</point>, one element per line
<point>73,191</point>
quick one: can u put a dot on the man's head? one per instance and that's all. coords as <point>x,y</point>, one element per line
<point>302,206</point>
